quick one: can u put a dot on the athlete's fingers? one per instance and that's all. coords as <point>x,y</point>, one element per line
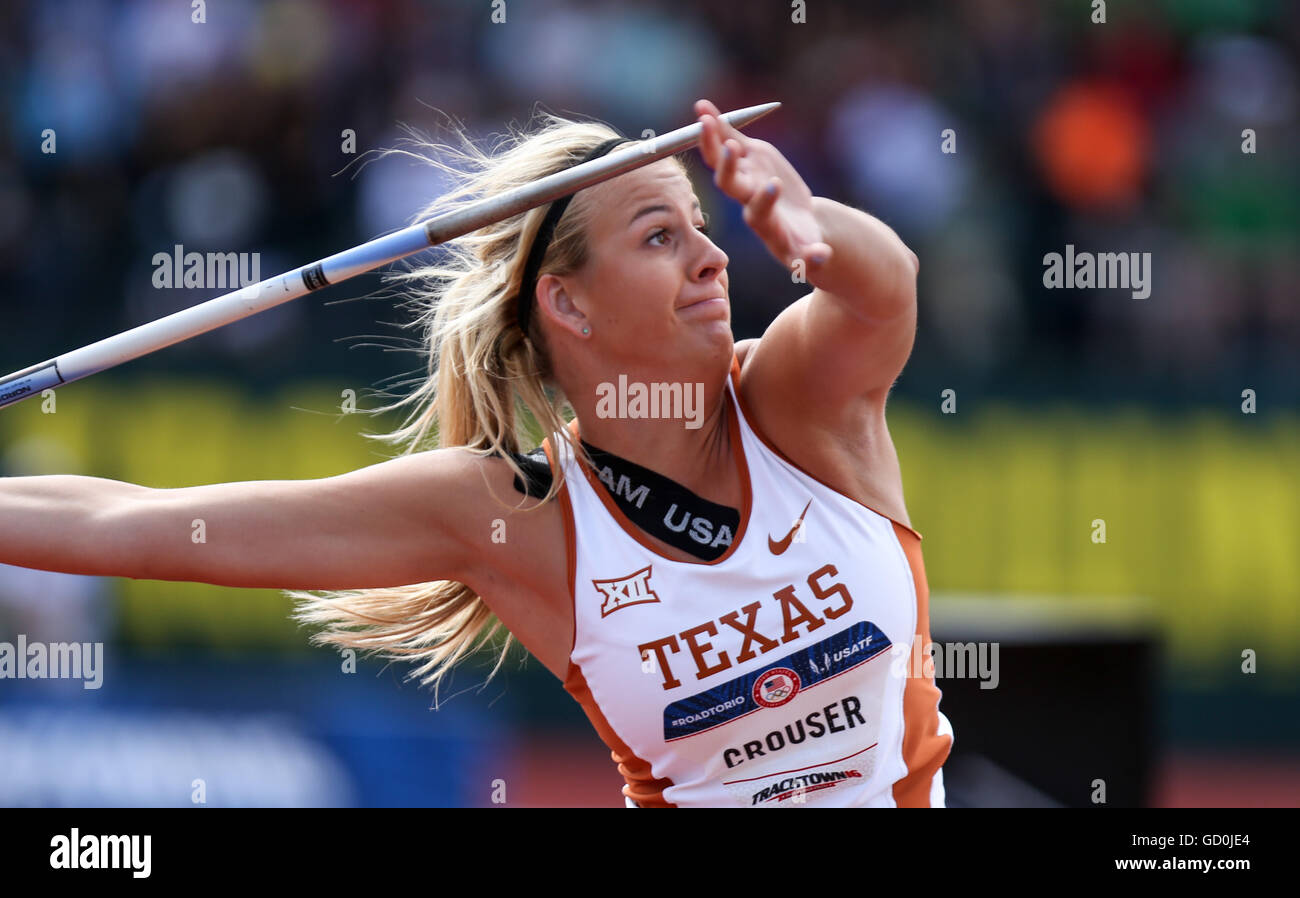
<point>726,130</point>
<point>759,208</point>
<point>817,254</point>
<point>711,141</point>
<point>716,142</point>
<point>760,216</point>
<point>724,173</point>
<point>706,108</point>
<point>715,131</point>
<point>726,177</point>
<point>705,105</point>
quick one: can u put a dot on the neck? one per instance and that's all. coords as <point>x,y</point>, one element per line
<point>699,458</point>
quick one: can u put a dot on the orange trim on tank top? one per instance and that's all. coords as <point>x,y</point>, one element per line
<point>924,750</point>
<point>641,786</point>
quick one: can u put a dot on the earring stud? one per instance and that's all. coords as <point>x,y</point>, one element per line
<point>586,330</point>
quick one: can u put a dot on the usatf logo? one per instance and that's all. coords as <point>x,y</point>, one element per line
<point>776,687</point>
<point>631,590</point>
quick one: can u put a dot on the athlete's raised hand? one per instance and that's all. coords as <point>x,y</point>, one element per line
<point>778,204</point>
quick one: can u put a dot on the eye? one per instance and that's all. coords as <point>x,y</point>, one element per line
<point>663,232</point>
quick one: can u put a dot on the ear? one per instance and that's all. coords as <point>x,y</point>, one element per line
<point>555,300</point>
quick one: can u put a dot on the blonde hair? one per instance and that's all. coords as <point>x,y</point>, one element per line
<point>483,376</point>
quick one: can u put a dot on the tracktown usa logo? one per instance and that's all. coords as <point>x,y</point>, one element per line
<point>776,687</point>
<point>78,852</point>
<point>792,786</point>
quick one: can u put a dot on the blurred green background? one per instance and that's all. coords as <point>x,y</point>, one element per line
<point>1199,508</point>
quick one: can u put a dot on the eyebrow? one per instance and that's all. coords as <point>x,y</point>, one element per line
<point>659,208</point>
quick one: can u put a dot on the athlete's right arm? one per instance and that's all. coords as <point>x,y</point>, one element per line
<point>398,522</point>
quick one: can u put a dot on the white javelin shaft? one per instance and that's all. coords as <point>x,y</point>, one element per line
<point>254,298</point>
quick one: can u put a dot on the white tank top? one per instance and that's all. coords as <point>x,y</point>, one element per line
<point>775,676</point>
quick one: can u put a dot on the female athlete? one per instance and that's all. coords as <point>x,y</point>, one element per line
<point>713,555</point>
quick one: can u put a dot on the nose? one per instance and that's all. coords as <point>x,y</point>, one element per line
<point>712,261</point>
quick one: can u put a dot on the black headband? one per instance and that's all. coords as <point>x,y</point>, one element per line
<point>543,239</point>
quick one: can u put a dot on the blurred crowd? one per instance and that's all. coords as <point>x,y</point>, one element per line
<point>987,133</point>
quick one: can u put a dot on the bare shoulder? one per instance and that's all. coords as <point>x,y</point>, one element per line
<point>519,561</point>
<point>856,457</point>
<point>509,548</point>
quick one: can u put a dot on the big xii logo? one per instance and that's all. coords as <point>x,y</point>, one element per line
<point>631,590</point>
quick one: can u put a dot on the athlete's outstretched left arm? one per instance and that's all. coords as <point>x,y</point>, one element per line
<point>845,343</point>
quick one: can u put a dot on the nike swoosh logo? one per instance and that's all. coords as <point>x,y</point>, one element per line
<point>779,547</point>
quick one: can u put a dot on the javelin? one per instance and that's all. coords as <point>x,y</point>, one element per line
<point>335,269</point>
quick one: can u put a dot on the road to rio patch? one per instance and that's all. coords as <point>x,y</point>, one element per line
<point>775,684</point>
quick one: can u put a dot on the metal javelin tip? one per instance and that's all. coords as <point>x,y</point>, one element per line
<point>740,117</point>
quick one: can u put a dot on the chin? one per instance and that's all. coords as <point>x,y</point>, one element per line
<point>720,339</point>
<point>711,339</point>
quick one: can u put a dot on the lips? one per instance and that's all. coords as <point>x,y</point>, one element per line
<point>702,301</point>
